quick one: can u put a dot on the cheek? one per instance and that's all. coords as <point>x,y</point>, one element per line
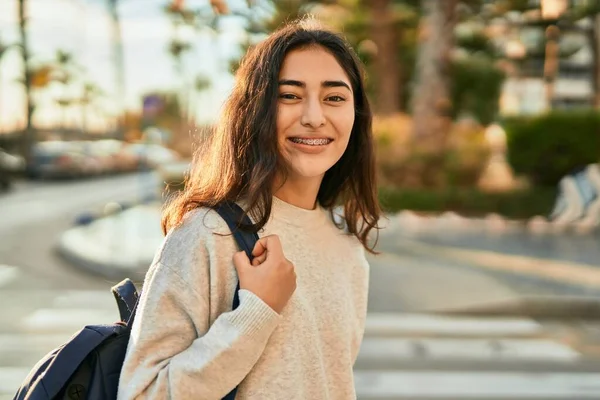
<point>285,119</point>
<point>344,124</point>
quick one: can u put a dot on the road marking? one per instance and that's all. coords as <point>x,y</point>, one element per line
<point>31,342</point>
<point>561,271</point>
<point>11,378</point>
<point>476,385</point>
<point>386,324</point>
<point>93,299</point>
<point>403,349</point>
<point>8,274</point>
<point>67,320</point>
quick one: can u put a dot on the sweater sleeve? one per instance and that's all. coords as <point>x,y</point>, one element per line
<point>361,287</point>
<point>173,353</point>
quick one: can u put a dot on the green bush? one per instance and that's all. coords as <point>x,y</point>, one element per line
<point>470,202</point>
<point>476,87</point>
<point>547,147</point>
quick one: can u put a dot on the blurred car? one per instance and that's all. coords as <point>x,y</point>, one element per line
<point>10,165</point>
<point>56,159</point>
<point>151,155</point>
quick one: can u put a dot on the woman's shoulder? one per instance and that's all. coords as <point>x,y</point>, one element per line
<point>192,238</point>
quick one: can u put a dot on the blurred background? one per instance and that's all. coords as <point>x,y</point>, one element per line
<point>487,129</point>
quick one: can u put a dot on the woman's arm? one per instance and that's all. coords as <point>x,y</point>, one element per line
<point>173,353</point>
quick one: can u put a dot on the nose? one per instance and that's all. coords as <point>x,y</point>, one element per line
<point>312,114</point>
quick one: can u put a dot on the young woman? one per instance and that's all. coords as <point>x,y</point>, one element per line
<point>293,145</point>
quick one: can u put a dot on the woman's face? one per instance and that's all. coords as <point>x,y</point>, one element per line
<point>315,112</point>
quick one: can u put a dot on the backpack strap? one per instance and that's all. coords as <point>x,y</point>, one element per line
<point>68,359</point>
<point>234,215</point>
<point>126,296</point>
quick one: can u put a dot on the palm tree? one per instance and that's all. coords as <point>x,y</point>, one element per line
<point>63,73</point>
<point>29,135</point>
<point>3,50</point>
<point>431,98</point>
<point>91,92</point>
<point>385,33</point>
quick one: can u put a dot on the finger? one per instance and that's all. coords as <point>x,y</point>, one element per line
<point>268,244</point>
<point>260,247</point>
<point>259,259</point>
<point>241,261</point>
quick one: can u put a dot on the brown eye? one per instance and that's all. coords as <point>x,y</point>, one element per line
<point>288,96</point>
<point>336,99</point>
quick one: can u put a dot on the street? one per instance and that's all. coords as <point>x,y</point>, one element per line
<point>408,352</point>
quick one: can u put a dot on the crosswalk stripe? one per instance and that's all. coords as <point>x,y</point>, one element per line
<point>66,320</point>
<point>93,299</point>
<point>11,379</point>
<point>374,385</point>
<point>389,349</point>
<point>33,343</point>
<point>8,274</point>
<point>383,324</point>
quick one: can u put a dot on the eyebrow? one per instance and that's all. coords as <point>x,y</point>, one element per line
<point>327,84</point>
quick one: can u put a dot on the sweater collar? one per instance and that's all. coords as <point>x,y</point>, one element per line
<point>296,215</point>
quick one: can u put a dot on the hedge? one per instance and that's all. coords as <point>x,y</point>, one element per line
<point>549,146</point>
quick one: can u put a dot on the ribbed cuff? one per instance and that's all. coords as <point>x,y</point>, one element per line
<point>253,316</point>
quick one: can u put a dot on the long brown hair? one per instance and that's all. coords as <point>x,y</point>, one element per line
<point>241,158</point>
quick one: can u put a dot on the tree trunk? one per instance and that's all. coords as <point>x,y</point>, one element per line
<point>432,104</point>
<point>28,137</point>
<point>595,42</point>
<point>385,33</point>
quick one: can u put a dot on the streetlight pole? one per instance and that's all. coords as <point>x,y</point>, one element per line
<point>119,65</point>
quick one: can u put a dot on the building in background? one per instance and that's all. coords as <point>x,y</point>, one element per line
<point>554,64</point>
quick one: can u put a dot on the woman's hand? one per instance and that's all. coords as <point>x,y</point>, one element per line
<point>271,276</point>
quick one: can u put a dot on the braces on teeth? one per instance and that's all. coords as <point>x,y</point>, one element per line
<point>312,142</point>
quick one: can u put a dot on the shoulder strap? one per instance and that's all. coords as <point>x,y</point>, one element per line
<point>126,296</point>
<point>234,215</point>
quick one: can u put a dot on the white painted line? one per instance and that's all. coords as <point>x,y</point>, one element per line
<point>11,379</point>
<point>380,349</point>
<point>66,320</point>
<point>476,385</point>
<point>32,342</point>
<point>95,299</point>
<point>561,271</point>
<point>398,324</point>
<point>8,274</point>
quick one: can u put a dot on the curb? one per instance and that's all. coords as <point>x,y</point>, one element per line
<point>564,272</point>
<point>111,208</point>
<point>113,272</point>
<point>84,245</point>
<point>564,308</point>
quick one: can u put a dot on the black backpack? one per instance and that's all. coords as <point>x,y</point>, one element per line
<point>88,366</point>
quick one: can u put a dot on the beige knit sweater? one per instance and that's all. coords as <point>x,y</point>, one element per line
<point>186,343</point>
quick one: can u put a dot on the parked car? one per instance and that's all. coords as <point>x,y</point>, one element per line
<point>56,159</point>
<point>10,166</point>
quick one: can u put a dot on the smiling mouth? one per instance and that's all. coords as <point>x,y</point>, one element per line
<point>311,142</point>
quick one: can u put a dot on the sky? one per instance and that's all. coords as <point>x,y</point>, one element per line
<point>81,27</point>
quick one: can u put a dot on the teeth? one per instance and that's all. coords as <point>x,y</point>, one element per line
<point>311,142</point>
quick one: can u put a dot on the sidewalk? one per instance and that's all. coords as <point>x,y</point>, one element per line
<point>411,275</point>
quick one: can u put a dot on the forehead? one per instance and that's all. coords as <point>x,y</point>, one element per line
<point>312,64</point>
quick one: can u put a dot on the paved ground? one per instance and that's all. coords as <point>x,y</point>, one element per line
<point>409,352</point>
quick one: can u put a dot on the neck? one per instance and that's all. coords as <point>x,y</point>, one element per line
<point>301,193</point>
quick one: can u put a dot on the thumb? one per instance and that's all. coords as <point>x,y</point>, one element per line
<point>241,262</point>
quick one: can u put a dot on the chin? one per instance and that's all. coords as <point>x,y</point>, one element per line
<point>308,172</point>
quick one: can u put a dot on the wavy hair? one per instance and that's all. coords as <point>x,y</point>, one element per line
<point>241,158</point>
